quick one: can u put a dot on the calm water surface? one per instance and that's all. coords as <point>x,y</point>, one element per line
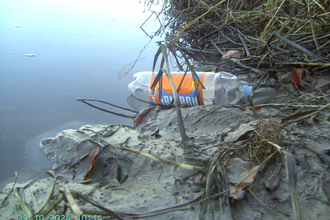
<point>80,48</point>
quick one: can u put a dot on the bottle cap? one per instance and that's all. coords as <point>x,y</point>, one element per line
<point>247,91</point>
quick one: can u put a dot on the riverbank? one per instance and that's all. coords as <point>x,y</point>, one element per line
<point>134,185</point>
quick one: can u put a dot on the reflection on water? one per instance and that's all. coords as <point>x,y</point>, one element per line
<point>53,52</point>
<point>33,160</point>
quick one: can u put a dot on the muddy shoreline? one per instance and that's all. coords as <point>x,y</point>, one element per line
<point>152,188</point>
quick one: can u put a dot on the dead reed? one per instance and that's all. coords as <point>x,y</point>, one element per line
<point>270,34</point>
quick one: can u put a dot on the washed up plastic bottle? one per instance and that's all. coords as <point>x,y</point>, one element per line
<point>220,88</point>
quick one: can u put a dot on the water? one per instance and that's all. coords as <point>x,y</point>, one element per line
<point>80,48</point>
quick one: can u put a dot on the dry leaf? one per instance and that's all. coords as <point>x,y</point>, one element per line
<point>243,129</point>
<point>81,170</point>
<point>68,173</point>
<point>273,182</point>
<point>232,54</point>
<point>116,170</point>
<point>110,171</point>
<point>240,174</point>
<point>200,180</point>
<point>300,78</point>
<point>140,117</point>
<point>91,160</point>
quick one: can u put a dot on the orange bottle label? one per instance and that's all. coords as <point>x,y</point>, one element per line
<point>189,93</point>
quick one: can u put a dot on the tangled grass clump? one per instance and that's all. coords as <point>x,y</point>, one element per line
<point>272,34</point>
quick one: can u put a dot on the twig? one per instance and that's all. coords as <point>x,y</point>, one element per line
<point>108,103</point>
<point>270,22</point>
<point>194,21</point>
<point>49,197</point>
<point>230,40</point>
<point>104,143</point>
<point>247,51</point>
<point>295,45</point>
<point>175,95</point>
<point>191,67</point>
<point>291,106</point>
<point>53,205</point>
<point>70,201</point>
<point>270,210</point>
<point>192,49</point>
<point>308,115</point>
<point>303,63</point>
<point>206,115</point>
<point>125,72</point>
<point>108,211</point>
<point>23,204</point>
<point>312,26</point>
<point>255,114</point>
<point>11,190</point>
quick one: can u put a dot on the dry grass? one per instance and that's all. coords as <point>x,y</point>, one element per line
<point>273,33</point>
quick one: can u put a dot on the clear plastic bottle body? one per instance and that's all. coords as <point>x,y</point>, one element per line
<point>223,88</point>
<point>226,89</point>
<point>220,88</point>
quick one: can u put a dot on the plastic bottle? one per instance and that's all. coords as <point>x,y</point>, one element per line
<point>220,88</point>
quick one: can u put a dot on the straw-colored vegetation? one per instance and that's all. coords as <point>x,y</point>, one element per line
<point>270,34</point>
